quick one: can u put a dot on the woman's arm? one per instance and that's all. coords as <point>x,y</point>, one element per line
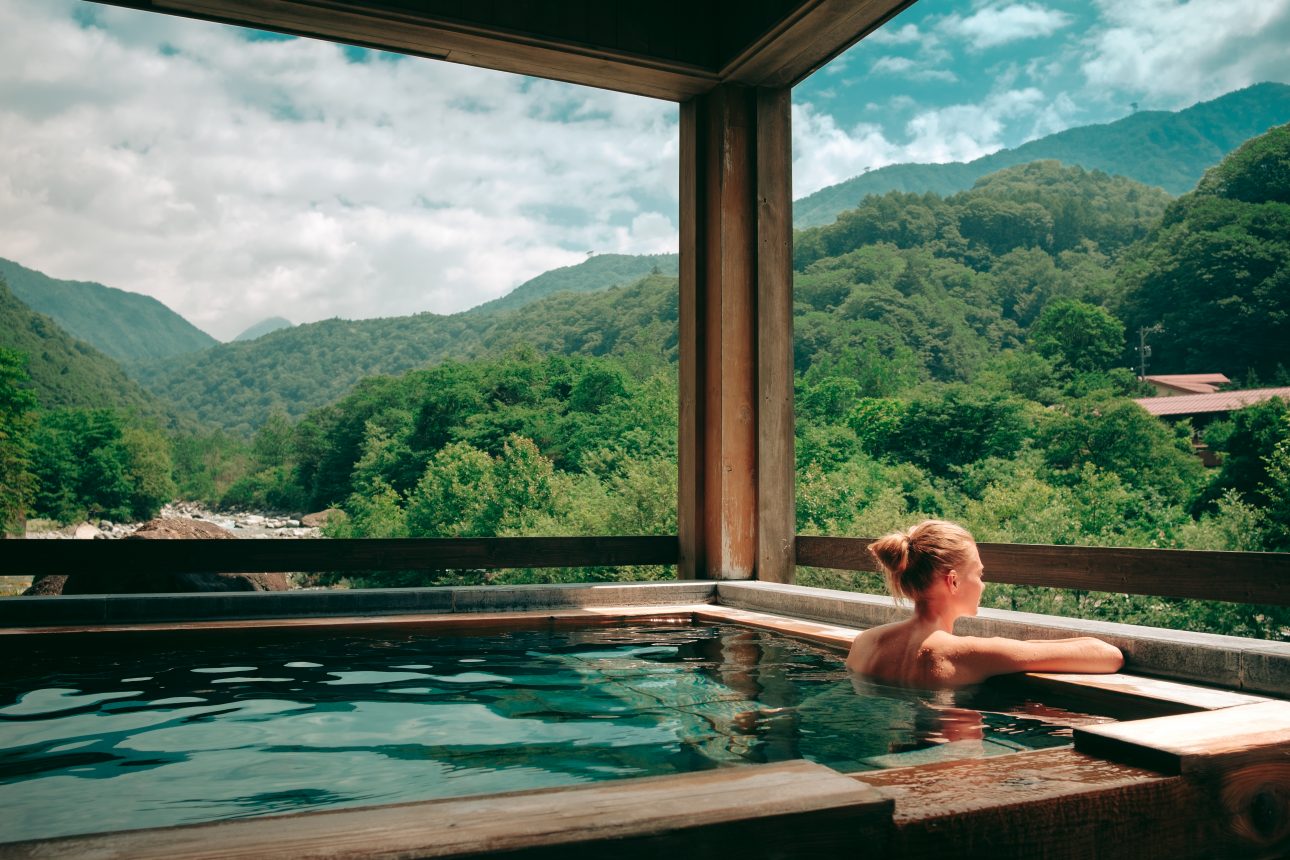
<point>976,658</point>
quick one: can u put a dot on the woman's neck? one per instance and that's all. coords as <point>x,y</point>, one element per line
<point>935,614</point>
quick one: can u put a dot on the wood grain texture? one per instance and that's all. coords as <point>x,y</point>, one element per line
<point>102,558</point>
<point>1187,743</point>
<point>806,39</point>
<point>781,810</point>
<point>1241,577</point>
<point>1050,804</point>
<point>726,294</point>
<point>691,414</point>
<point>670,49</point>
<point>405,29</point>
<point>591,616</point>
<point>776,462</point>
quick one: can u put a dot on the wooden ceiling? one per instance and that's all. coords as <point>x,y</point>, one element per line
<point>668,49</point>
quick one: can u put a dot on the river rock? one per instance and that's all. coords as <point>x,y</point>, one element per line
<point>319,519</point>
<point>133,582</point>
<point>85,531</point>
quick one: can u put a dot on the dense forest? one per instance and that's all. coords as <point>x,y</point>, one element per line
<point>962,356</point>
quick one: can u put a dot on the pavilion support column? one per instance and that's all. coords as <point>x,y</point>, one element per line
<point>736,502</point>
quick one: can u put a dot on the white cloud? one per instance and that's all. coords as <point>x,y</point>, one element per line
<point>909,69</point>
<point>889,35</point>
<point>1184,52</point>
<point>891,65</point>
<point>999,24</point>
<point>235,180</point>
<point>825,154</point>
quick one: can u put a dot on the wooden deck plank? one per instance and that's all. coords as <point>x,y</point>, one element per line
<point>756,811</point>
<point>1138,687</point>
<point>1186,743</point>
<point>592,615</point>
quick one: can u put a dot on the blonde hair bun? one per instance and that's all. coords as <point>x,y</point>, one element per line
<point>910,560</point>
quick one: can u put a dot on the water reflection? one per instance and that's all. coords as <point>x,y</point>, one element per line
<point>159,730</point>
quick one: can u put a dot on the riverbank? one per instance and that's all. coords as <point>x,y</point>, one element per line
<point>252,525</point>
<point>243,524</point>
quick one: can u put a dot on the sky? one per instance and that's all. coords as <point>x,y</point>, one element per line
<point>236,175</point>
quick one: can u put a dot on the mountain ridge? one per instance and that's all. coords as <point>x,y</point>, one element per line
<point>123,325</point>
<point>1199,136</point>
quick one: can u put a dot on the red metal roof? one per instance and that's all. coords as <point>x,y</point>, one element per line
<point>1194,383</point>
<point>1221,401</point>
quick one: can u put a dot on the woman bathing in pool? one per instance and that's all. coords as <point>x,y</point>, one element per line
<point>936,565</point>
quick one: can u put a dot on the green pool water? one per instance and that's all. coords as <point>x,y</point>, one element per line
<point>146,732</point>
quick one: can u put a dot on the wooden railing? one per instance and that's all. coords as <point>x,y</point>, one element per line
<point>1238,577</point>
<point>1241,577</point>
<point>105,557</point>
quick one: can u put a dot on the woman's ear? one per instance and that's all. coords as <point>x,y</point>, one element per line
<point>952,580</point>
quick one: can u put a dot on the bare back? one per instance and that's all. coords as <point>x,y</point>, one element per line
<point>915,654</point>
<point>904,653</point>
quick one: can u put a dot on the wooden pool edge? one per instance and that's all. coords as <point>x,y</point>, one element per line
<point>1113,794</point>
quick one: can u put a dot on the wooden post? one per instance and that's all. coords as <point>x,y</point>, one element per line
<point>735,454</point>
<point>776,459</point>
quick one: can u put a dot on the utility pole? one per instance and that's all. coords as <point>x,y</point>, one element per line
<point>1144,351</point>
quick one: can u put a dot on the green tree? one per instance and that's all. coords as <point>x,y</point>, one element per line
<point>17,405</point>
<point>954,425</point>
<point>1119,436</point>
<point>1216,273</point>
<point>1276,491</point>
<point>1247,440</point>
<point>91,463</point>
<point>1078,336</point>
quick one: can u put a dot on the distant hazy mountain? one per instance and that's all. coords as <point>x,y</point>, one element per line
<point>594,273</point>
<point>126,326</point>
<point>66,371</point>
<point>263,327</point>
<point>1166,149</point>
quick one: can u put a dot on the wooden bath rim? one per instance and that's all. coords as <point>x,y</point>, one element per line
<point>1208,779</point>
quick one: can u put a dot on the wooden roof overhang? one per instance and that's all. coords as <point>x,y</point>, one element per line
<point>666,49</point>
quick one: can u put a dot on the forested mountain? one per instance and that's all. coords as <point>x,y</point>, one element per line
<point>1214,276</point>
<point>1161,148</point>
<point>948,282</point>
<point>236,386</point>
<point>595,273</point>
<point>66,372</point>
<point>126,326</point>
<point>957,357</point>
<point>263,327</point>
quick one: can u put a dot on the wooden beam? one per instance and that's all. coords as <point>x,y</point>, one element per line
<point>1238,577</point>
<point>401,28</point>
<point>788,809</point>
<point>717,320</point>
<point>776,462</point>
<point>104,558</point>
<point>816,32</point>
<point>692,366</point>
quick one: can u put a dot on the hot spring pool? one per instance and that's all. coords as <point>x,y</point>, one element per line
<point>146,733</point>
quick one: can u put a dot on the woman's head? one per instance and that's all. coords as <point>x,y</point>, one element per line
<point>911,560</point>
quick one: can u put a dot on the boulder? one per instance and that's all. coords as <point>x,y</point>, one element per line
<point>85,531</point>
<point>319,519</point>
<point>134,582</point>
